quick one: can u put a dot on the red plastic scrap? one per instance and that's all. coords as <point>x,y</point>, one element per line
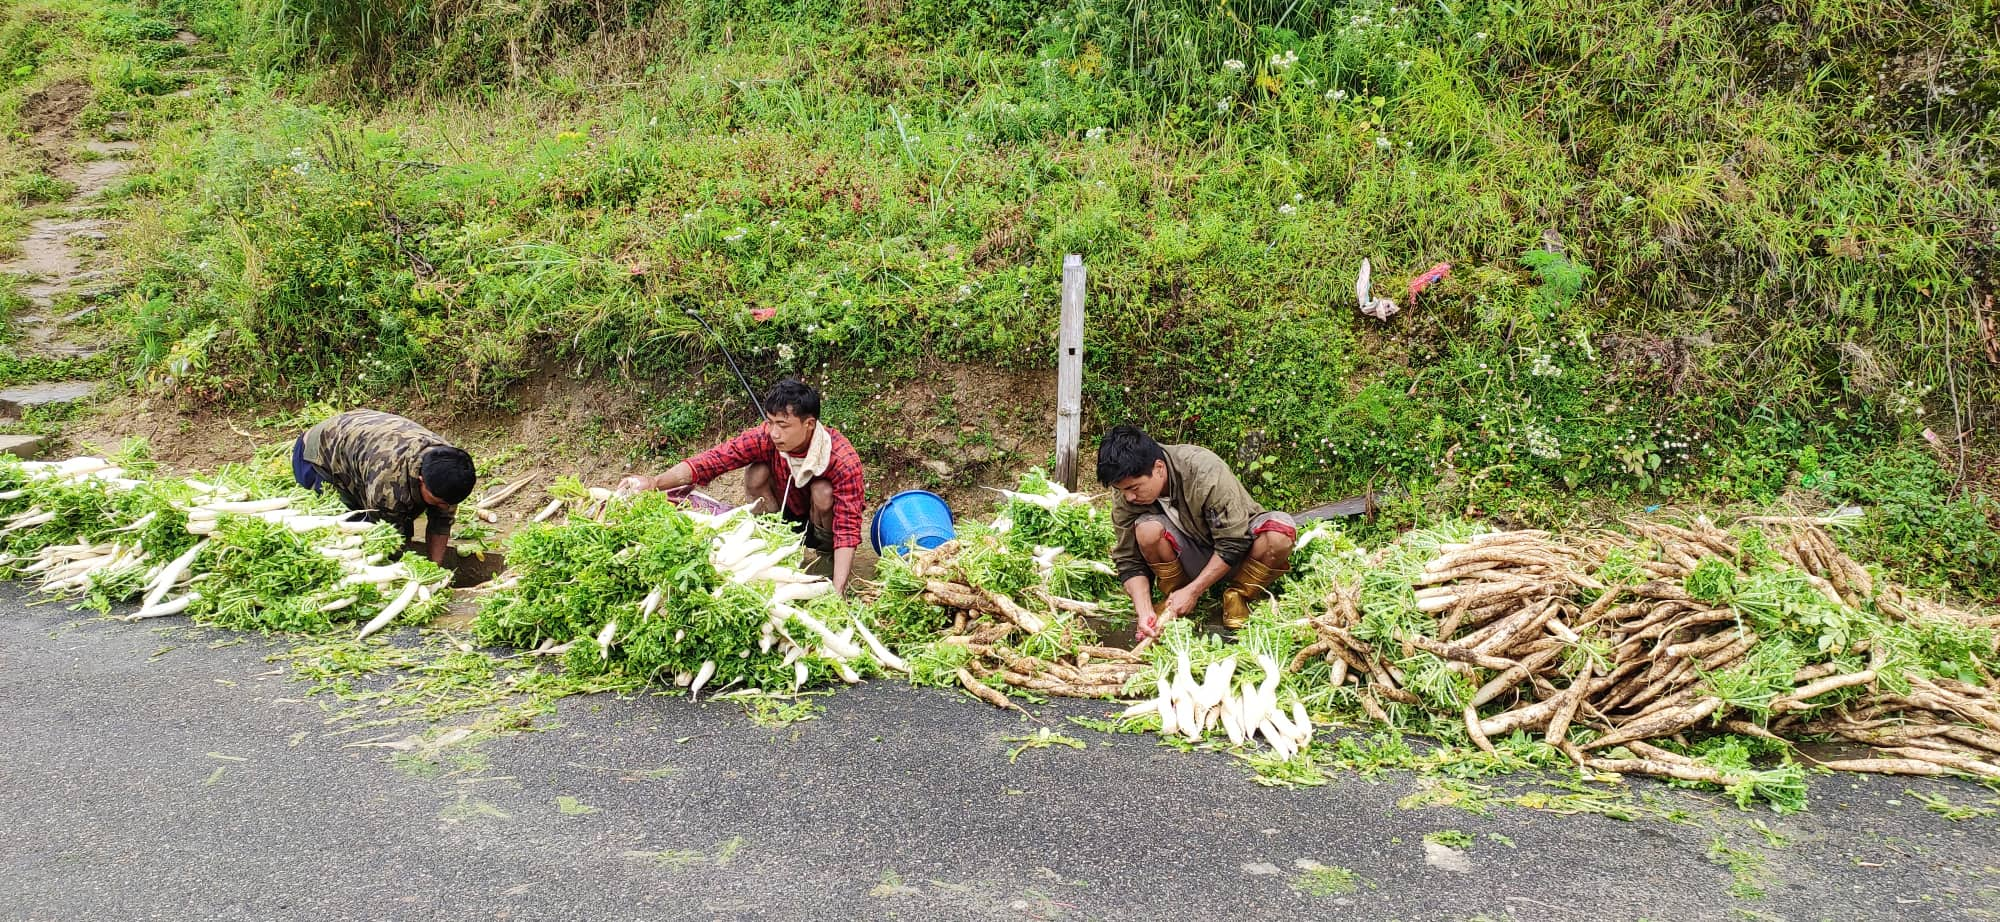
<point>1430,276</point>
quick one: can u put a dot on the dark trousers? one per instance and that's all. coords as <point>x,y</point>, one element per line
<point>302,470</point>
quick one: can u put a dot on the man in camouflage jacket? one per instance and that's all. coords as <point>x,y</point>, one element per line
<point>391,468</point>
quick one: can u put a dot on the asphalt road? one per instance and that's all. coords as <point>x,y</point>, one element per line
<point>147,775</point>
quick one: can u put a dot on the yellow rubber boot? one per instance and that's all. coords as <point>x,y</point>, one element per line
<point>1167,577</point>
<point>1249,583</point>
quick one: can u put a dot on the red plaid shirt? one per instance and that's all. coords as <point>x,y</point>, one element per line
<point>843,471</point>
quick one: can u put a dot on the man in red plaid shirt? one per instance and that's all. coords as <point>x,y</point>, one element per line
<point>793,463</point>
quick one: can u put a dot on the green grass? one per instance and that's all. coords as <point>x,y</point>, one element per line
<point>1327,880</point>
<point>1450,838</point>
<point>1747,869</point>
<point>1721,259</point>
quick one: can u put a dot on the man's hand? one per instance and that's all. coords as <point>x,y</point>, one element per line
<point>1149,625</point>
<point>637,483</point>
<point>1180,604</point>
<point>1151,620</point>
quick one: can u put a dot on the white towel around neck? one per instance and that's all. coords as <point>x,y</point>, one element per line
<point>819,454</point>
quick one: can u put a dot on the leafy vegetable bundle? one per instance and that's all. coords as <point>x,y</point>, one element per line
<point>666,593</point>
<point>1012,605</point>
<point>236,553</point>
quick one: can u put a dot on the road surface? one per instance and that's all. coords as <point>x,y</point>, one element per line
<point>150,776</point>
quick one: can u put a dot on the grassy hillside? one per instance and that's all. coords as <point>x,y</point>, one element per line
<point>1700,250</point>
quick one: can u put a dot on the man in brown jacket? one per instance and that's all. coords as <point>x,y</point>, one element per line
<point>1184,524</point>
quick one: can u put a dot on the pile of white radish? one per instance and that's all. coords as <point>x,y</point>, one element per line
<point>760,560</point>
<point>743,556</point>
<point>338,537</point>
<point>75,470</point>
<point>749,559</point>
<point>168,587</point>
<point>69,568</point>
<point>1191,709</point>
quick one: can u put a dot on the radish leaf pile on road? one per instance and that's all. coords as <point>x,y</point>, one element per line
<point>1687,651</point>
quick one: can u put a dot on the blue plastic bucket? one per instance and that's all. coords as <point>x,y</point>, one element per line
<point>912,515</point>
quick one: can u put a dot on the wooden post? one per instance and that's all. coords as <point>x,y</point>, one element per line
<point>1069,372</point>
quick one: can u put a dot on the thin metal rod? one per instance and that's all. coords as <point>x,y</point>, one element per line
<point>731,359</point>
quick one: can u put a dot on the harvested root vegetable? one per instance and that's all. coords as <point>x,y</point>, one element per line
<point>980,690</point>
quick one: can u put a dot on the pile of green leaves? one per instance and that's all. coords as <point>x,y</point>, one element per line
<point>1082,529</point>
<point>899,613</point>
<point>574,578</point>
<point>262,576</point>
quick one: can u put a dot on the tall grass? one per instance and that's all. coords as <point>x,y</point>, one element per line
<point>1686,241</point>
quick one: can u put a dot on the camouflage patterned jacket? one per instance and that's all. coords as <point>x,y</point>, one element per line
<point>371,458</point>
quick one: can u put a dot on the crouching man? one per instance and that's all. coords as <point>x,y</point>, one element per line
<point>1185,523</point>
<point>793,464</point>
<point>392,468</point>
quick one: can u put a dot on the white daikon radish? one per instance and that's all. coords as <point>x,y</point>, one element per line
<point>1302,724</point>
<point>799,592</point>
<point>881,652</point>
<point>1215,683</point>
<point>832,643</point>
<point>402,601</point>
<point>246,507</point>
<point>162,609</point>
<point>172,573</point>
<point>1141,709</point>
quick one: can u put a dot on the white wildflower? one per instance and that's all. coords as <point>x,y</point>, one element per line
<point>1234,65</point>
<point>1541,442</point>
<point>1544,365</point>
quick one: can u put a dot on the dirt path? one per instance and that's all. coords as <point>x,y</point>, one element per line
<point>62,264</point>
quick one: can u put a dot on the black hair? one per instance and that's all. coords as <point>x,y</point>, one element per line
<point>447,472</point>
<point>1126,452</point>
<point>794,397</point>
